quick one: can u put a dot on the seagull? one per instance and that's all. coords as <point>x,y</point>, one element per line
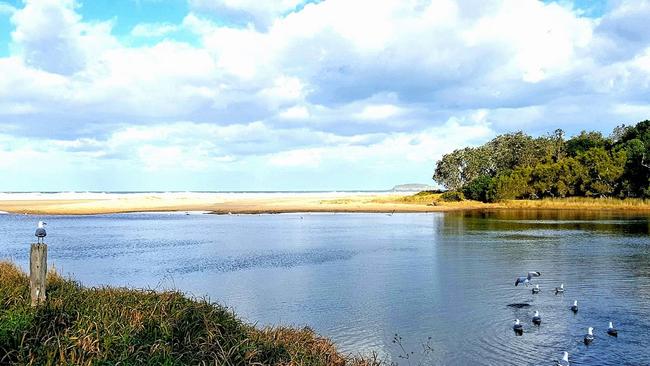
<point>518,328</point>
<point>611,330</point>
<point>537,320</point>
<point>526,280</point>
<point>564,361</point>
<point>559,290</point>
<point>589,337</point>
<point>536,289</point>
<point>40,232</point>
<point>574,307</point>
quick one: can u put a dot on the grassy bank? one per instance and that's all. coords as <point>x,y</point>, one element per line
<point>581,203</point>
<point>568,203</point>
<point>110,326</point>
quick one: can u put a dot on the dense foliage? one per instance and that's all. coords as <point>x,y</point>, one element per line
<point>109,326</point>
<point>517,165</point>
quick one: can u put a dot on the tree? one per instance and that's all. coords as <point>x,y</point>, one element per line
<point>516,165</point>
<point>480,189</point>
<point>604,170</point>
<point>585,141</point>
<point>513,184</point>
<point>458,168</point>
<point>512,150</point>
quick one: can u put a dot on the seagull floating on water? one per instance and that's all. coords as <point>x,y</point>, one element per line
<point>589,337</point>
<point>536,289</point>
<point>518,328</point>
<point>537,320</point>
<point>574,307</point>
<point>611,330</point>
<point>564,361</point>
<point>559,290</point>
<point>526,280</point>
<point>40,232</point>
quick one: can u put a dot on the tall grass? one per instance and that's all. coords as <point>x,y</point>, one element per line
<point>582,203</point>
<point>117,326</point>
<point>568,203</point>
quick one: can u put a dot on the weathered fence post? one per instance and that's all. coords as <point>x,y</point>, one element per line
<point>37,273</point>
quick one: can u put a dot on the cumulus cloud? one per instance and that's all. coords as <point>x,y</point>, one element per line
<point>51,36</point>
<point>259,13</point>
<point>153,29</point>
<point>6,8</point>
<point>381,88</point>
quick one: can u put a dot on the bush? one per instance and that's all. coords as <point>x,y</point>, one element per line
<point>480,189</point>
<point>452,196</point>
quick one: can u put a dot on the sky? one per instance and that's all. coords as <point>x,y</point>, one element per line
<point>136,95</point>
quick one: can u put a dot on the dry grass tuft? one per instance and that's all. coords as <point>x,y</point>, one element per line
<point>110,326</point>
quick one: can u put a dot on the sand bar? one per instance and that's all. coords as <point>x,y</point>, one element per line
<point>280,202</point>
<point>103,203</point>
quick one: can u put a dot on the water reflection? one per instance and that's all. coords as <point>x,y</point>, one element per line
<point>361,278</point>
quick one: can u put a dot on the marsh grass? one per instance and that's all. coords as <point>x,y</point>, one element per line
<point>581,203</point>
<point>565,203</point>
<point>117,326</point>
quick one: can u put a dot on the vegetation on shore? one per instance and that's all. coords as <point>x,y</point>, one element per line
<point>518,166</point>
<point>110,326</point>
<point>453,200</point>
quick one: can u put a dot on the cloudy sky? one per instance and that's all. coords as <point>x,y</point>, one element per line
<point>299,95</point>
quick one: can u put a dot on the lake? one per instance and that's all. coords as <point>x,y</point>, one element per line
<point>442,279</point>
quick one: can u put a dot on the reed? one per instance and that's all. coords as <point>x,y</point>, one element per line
<point>581,203</point>
<point>564,203</point>
<point>110,326</point>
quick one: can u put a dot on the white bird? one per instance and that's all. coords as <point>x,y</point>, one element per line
<point>537,320</point>
<point>517,327</point>
<point>574,307</point>
<point>611,330</point>
<point>536,289</point>
<point>559,290</point>
<point>564,361</point>
<point>40,232</point>
<point>589,337</point>
<point>526,279</point>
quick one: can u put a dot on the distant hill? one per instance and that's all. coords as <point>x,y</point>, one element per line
<point>413,187</point>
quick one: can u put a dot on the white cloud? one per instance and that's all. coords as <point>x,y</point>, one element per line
<point>388,83</point>
<point>260,13</point>
<point>6,8</point>
<point>51,36</point>
<point>297,158</point>
<point>377,112</point>
<point>153,29</point>
<point>295,112</point>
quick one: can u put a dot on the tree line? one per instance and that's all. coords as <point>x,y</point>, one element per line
<point>517,165</point>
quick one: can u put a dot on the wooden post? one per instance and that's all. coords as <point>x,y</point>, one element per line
<point>37,273</point>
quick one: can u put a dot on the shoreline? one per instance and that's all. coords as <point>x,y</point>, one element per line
<point>280,202</point>
<point>148,325</point>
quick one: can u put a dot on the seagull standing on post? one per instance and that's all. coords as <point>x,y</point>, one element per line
<point>40,232</point>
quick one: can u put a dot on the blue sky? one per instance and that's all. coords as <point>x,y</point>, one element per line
<point>296,95</point>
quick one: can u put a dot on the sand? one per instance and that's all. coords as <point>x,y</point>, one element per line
<point>223,203</point>
<point>257,203</point>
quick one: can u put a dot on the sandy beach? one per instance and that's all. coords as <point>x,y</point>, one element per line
<point>75,203</point>
<point>223,203</point>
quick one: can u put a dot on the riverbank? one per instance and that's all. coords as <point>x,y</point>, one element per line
<point>259,203</point>
<point>80,326</point>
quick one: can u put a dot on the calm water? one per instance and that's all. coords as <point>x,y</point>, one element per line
<point>361,278</point>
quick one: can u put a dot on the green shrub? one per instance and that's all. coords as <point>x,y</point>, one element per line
<point>452,196</point>
<point>480,189</point>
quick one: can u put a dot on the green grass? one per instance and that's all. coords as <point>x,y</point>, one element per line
<point>117,326</point>
<point>424,197</point>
